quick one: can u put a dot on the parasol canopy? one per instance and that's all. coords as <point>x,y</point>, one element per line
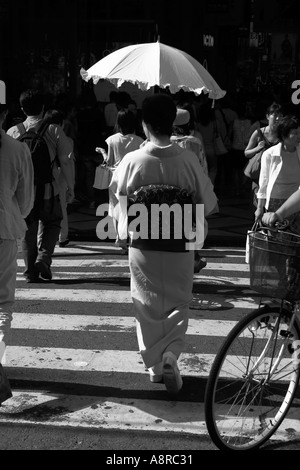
<point>154,64</point>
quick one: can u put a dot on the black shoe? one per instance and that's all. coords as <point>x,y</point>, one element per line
<point>65,243</point>
<point>44,269</point>
<point>199,264</point>
<point>5,390</point>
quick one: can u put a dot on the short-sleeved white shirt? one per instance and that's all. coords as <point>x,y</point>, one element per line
<point>119,145</point>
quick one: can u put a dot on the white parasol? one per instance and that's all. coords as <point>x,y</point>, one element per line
<point>154,64</point>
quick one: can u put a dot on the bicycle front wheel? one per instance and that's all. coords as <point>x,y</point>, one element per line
<point>253,380</point>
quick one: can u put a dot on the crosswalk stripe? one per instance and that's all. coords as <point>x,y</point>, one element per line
<point>119,296</point>
<point>93,361</point>
<point>85,250</point>
<point>106,263</point>
<point>76,263</point>
<point>39,321</point>
<point>120,413</point>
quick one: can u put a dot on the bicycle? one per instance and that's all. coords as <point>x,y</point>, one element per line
<point>255,374</point>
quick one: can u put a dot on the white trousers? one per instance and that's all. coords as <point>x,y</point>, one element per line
<point>8,273</point>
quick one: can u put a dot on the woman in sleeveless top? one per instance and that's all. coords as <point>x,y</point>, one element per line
<point>263,138</point>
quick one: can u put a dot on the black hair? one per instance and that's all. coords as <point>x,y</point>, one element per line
<point>159,111</point>
<point>183,129</point>
<point>205,113</point>
<point>125,122</point>
<point>32,102</point>
<point>113,96</point>
<point>54,116</point>
<point>274,108</point>
<point>285,125</point>
<point>123,99</point>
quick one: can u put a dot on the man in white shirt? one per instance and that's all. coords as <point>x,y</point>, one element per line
<point>16,202</point>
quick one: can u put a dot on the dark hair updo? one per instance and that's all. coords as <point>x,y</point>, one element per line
<point>126,122</point>
<point>160,112</point>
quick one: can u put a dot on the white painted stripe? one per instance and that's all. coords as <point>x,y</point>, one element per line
<point>116,324</point>
<point>111,413</point>
<point>85,250</point>
<point>211,266</point>
<point>120,296</point>
<point>84,275</point>
<point>67,359</point>
<point>110,262</point>
<point>91,412</point>
<point>88,263</point>
<point>223,251</point>
<point>221,280</point>
<point>22,358</point>
<point>74,295</point>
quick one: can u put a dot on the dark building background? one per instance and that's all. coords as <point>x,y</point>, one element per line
<point>44,43</point>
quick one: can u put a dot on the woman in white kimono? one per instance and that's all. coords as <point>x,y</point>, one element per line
<point>161,269</point>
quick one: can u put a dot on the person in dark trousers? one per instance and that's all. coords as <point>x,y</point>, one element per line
<point>38,250</point>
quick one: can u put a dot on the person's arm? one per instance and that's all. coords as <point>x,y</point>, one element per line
<point>253,147</point>
<point>67,172</point>
<point>111,159</point>
<point>260,209</point>
<point>25,187</point>
<point>290,206</point>
<point>264,177</point>
<point>63,150</point>
<point>103,151</point>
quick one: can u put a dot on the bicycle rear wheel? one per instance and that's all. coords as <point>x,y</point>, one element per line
<point>244,402</point>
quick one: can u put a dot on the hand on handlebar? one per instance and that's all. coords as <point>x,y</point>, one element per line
<point>269,219</point>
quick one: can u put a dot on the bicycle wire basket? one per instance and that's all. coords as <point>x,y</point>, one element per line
<point>274,259</point>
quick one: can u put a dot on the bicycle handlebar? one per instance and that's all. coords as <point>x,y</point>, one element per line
<point>277,226</point>
<point>282,225</point>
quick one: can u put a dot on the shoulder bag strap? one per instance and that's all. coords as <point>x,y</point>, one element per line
<point>22,128</point>
<point>42,128</point>
<point>261,134</point>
